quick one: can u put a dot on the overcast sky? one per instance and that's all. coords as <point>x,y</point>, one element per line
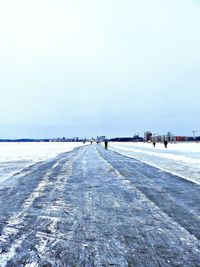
<point>110,67</point>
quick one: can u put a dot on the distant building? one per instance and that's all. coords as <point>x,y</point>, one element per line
<point>181,138</point>
<point>101,138</point>
<point>165,137</point>
<point>158,138</point>
<point>147,136</point>
<point>170,137</point>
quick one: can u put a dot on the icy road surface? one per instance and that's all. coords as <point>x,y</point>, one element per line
<point>92,207</point>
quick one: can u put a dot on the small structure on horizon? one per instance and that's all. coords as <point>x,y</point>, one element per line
<point>101,138</point>
<point>148,136</point>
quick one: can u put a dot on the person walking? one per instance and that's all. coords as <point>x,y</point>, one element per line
<point>154,143</point>
<point>165,143</point>
<point>106,144</point>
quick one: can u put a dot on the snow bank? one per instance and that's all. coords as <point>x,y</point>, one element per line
<point>182,159</point>
<point>17,156</point>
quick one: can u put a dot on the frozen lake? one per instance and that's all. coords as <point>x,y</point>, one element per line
<point>182,159</point>
<point>16,156</point>
<point>96,207</point>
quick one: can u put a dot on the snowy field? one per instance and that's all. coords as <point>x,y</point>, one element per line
<point>17,156</point>
<point>182,159</point>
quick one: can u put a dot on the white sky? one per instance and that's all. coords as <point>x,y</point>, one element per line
<point>114,67</point>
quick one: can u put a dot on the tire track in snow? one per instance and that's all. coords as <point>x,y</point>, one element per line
<point>181,233</point>
<point>58,206</point>
<point>174,196</point>
<point>15,223</point>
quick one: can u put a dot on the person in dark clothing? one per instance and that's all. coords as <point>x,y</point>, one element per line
<point>165,143</point>
<point>154,143</point>
<point>106,144</point>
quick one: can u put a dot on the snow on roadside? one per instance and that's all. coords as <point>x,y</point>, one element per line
<point>17,156</point>
<point>182,159</point>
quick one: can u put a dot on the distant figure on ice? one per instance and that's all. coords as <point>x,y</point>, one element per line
<point>165,143</point>
<point>154,143</point>
<point>106,144</point>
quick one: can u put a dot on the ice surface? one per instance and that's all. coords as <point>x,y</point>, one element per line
<point>182,159</point>
<point>17,156</point>
<point>95,207</point>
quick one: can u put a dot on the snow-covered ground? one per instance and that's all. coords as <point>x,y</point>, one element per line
<point>17,156</point>
<point>182,159</point>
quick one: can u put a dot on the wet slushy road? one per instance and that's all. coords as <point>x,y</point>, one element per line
<point>95,207</point>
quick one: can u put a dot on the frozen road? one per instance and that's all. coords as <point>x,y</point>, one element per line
<point>92,207</point>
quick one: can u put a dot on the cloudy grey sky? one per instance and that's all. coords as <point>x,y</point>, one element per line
<point>114,67</point>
